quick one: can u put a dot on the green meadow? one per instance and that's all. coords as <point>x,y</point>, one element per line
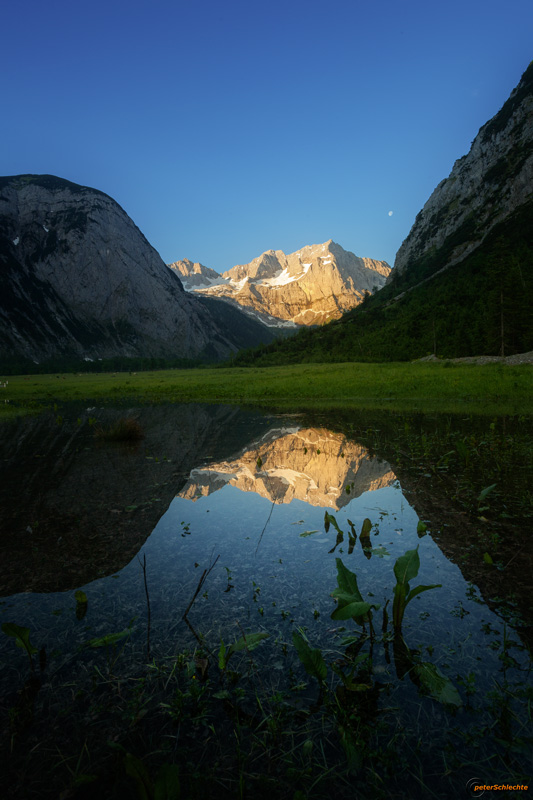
<point>444,387</point>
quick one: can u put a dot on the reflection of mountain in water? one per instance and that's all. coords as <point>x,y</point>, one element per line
<point>312,464</point>
<point>73,508</point>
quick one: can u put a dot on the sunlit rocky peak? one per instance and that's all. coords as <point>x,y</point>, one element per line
<point>308,287</point>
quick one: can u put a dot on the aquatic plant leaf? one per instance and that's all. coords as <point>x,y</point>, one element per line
<point>380,551</point>
<point>110,638</point>
<point>136,769</point>
<point>421,527</point>
<point>484,492</point>
<point>407,566</point>
<point>21,635</point>
<point>311,659</point>
<point>82,604</point>
<point>352,537</point>
<point>421,588</point>
<point>367,527</point>
<point>353,753</point>
<point>437,685</point>
<point>250,642</point>
<point>308,533</point>
<point>355,609</point>
<point>222,659</point>
<point>167,785</point>
<point>347,581</point>
<point>399,603</point>
<point>224,694</point>
<point>329,519</point>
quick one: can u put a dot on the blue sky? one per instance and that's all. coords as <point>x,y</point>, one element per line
<point>225,129</point>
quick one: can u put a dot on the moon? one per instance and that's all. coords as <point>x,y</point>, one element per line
<point>391,213</point>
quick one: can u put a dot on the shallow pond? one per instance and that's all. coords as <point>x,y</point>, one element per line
<point>264,517</point>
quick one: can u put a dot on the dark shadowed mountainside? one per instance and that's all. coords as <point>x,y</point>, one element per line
<point>80,279</point>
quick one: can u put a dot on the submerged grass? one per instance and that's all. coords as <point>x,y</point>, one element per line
<point>111,721</point>
<point>492,388</point>
<point>124,429</point>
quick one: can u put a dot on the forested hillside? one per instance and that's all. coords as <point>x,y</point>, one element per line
<point>482,305</point>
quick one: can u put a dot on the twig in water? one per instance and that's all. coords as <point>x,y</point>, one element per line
<point>143,567</point>
<point>201,582</point>
<point>264,529</point>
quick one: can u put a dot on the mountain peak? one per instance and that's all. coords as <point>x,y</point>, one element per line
<point>317,283</point>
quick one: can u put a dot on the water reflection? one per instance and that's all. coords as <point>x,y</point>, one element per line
<point>74,508</point>
<point>274,507</point>
<point>315,465</point>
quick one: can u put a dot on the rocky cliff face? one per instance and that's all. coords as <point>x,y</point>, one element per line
<point>195,276</point>
<point>314,465</point>
<point>79,278</point>
<point>485,187</point>
<point>308,287</point>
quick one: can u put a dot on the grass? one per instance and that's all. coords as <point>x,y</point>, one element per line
<point>402,387</point>
<point>125,429</point>
<point>185,726</point>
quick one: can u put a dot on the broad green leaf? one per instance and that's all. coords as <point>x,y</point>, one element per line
<point>167,785</point>
<point>380,551</point>
<point>250,642</point>
<point>399,603</point>
<point>356,609</point>
<point>224,694</point>
<point>136,770</point>
<point>420,589</point>
<point>487,558</point>
<point>222,660</point>
<point>484,492</point>
<point>353,534</point>
<point>347,581</point>
<point>354,755</point>
<point>111,638</point>
<point>82,604</point>
<point>345,597</point>
<point>329,519</point>
<point>311,659</point>
<point>407,566</point>
<point>421,527</point>
<point>21,635</point>
<point>437,685</point>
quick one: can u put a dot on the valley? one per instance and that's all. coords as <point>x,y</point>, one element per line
<point>219,490</point>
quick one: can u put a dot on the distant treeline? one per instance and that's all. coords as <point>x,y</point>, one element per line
<point>18,366</point>
<point>481,306</point>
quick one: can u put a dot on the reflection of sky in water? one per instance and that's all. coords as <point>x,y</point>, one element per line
<point>262,547</point>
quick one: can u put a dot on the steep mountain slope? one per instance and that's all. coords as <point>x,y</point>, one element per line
<point>194,275</point>
<point>308,287</point>
<point>79,278</point>
<point>463,279</point>
<point>483,188</point>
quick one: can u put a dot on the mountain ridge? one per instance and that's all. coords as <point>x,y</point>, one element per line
<point>310,286</point>
<point>80,279</point>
